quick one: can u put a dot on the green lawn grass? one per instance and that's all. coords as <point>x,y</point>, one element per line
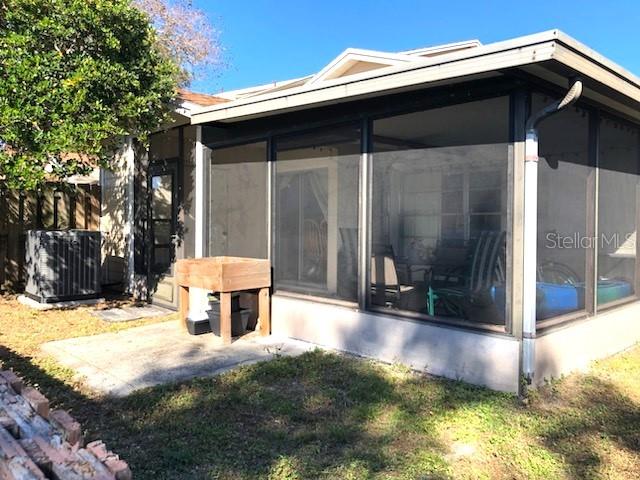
<point>324,415</point>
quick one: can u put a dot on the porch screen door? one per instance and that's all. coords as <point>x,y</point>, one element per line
<point>162,233</point>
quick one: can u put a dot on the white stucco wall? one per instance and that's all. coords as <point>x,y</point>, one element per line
<point>484,359</point>
<point>575,346</point>
<point>113,219</point>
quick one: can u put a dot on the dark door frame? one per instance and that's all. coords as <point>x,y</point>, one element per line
<point>157,168</point>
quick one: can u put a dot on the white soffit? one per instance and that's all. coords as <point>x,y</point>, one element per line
<point>527,50</point>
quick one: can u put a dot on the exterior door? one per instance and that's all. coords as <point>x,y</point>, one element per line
<point>163,245</point>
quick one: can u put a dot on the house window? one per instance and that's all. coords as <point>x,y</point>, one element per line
<point>439,212</point>
<point>316,213</point>
<point>238,201</point>
<point>565,177</point>
<point>472,202</point>
<point>618,196</point>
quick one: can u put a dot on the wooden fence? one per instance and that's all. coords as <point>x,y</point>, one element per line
<point>52,209</point>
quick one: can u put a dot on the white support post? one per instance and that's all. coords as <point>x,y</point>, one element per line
<point>199,200</point>
<point>198,301</point>
<point>530,241</point>
<point>130,211</point>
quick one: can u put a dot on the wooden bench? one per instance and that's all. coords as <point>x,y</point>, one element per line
<point>225,275</point>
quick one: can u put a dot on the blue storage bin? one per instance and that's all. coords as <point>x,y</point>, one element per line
<point>556,299</point>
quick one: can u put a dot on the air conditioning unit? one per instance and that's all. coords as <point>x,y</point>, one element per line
<point>62,265</point>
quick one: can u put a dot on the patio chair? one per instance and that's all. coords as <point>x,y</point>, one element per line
<point>448,263</point>
<point>385,287</point>
<point>475,290</point>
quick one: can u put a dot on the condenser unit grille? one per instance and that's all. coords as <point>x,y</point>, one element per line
<point>62,265</point>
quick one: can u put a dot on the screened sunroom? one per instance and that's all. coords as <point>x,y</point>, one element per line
<point>406,224</point>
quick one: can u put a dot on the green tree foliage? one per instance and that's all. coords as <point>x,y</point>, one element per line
<point>75,76</point>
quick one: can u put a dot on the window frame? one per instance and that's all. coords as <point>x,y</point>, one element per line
<point>274,139</point>
<point>267,140</point>
<point>591,218</point>
<point>596,113</point>
<point>507,195</point>
<point>635,296</point>
<point>423,100</point>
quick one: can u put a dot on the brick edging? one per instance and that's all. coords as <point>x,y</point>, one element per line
<point>37,443</point>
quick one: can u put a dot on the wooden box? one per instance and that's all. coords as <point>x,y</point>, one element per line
<point>224,274</point>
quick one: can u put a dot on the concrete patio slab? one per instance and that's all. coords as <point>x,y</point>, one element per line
<point>120,363</point>
<point>127,314</point>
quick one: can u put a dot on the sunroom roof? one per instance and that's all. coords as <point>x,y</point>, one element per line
<point>357,74</point>
<point>350,62</point>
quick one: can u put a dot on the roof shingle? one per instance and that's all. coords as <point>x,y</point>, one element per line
<point>201,99</point>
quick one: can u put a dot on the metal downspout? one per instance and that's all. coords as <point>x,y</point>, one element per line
<point>530,228</point>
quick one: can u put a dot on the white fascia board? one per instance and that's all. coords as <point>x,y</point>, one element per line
<point>598,58</point>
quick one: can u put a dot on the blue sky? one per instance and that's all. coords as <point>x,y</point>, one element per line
<point>267,41</point>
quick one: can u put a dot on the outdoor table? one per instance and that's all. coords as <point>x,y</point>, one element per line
<point>225,275</point>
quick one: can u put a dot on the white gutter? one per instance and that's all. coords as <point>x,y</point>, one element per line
<point>530,245</point>
<point>530,229</point>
